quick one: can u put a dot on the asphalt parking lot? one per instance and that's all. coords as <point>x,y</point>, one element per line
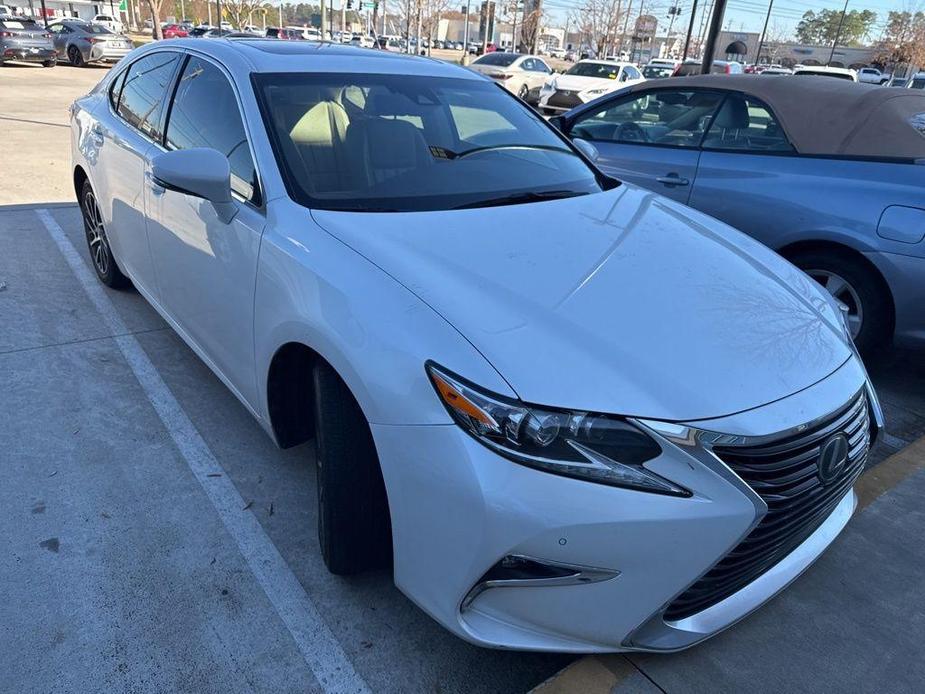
<point>158,541</point>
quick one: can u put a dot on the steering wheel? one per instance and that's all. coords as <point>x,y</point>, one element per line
<point>630,132</point>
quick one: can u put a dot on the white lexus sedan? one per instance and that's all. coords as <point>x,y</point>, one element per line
<point>570,414</point>
<point>585,81</point>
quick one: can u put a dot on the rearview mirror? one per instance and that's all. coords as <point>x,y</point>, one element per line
<point>202,172</point>
<point>586,148</point>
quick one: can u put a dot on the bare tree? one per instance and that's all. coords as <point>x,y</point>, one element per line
<point>242,10</point>
<point>155,7</point>
<point>599,22</point>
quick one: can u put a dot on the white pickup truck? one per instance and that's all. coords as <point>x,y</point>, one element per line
<point>872,75</point>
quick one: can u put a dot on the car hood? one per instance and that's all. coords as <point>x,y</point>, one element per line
<point>621,302</point>
<point>577,83</point>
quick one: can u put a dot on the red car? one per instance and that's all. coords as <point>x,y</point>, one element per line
<point>174,31</point>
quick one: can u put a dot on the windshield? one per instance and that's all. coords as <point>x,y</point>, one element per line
<point>594,70</point>
<point>399,143</point>
<point>501,59</point>
<point>917,83</point>
<point>651,72</point>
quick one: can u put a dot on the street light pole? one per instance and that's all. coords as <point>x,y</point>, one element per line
<point>841,22</point>
<point>716,25</point>
<point>764,33</point>
<point>690,30</point>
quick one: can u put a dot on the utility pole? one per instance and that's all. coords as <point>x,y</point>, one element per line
<point>218,9</point>
<point>343,19</point>
<point>764,33</point>
<point>716,24</point>
<point>465,58</point>
<point>280,14</point>
<point>514,28</point>
<point>324,6</point>
<point>841,23</point>
<point>626,23</point>
<point>690,29</point>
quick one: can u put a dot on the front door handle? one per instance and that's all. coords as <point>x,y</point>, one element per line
<point>673,179</point>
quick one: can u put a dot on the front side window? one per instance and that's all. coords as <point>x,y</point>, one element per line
<point>663,117</point>
<point>746,124</point>
<point>202,92</point>
<point>400,143</point>
<point>145,91</point>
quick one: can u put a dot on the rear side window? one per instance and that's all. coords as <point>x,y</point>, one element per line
<point>745,124</point>
<point>115,90</point>
<point>145,91</point>
<point>202,92</point>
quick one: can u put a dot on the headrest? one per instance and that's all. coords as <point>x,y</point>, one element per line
<point>733,114</point>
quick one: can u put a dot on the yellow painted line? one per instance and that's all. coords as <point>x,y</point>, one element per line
<point>593,674</point>
<point>883,477</point>
<point>599,674</point>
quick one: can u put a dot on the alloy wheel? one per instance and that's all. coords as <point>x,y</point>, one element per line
<point>841,289</point>
<point>96,234</point>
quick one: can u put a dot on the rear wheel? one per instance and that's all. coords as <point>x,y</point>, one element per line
<point>523,92</point>
<point>353,515</point>
<point>100,253</point>
<point>49,63</point>
<point>75,57</point>
<point>851,281</point>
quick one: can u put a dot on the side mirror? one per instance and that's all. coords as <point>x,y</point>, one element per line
<point>202,172</point>
<point>558,122</point>
<point>586,148</point>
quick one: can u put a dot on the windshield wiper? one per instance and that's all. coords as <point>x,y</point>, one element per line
<point>518,198</point>
<point>444,153</point>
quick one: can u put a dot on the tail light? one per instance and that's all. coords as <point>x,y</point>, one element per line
<point>46,36</point>
<point>6,34</point>
<point>728,69</point>
<point>96,40</point>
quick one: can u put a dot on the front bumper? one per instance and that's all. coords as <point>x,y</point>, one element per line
<point>457,509</point>
<point>29,55</point>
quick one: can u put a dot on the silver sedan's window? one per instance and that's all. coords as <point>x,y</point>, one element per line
<point>145,91</point>
<point>660,117</point>
<point>745,124</point>
<point>401,143</point>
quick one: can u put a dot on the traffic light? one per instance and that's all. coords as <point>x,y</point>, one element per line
<point>349,4</point>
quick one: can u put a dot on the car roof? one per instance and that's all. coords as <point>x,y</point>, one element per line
<point>826,116</point>
<point>259,54</point>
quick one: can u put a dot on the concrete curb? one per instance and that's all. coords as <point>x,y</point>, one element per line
<point>600,674</point>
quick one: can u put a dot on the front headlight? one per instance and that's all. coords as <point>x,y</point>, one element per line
<point>594,447</point>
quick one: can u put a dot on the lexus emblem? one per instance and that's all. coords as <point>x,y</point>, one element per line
<point>832,458</point>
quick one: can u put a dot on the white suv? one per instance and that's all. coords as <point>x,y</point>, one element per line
<point>110,22</point>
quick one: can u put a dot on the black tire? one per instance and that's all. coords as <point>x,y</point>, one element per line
<point>524,92</point>
<point>353,514</point>
<point>75,57</point>
<point>876,323</point>
<point>101,256</point>
<point>49,63</point>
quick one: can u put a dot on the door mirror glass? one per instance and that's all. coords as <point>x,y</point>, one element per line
<point>586,148</point>
<point>201,172</point>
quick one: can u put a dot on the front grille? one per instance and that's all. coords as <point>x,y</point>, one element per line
<point>784,473</point>
<point>564,99</point>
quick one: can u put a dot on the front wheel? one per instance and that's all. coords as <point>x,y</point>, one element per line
<point>852,282</point>
<point>523,92</point>
<point>100,253</point>
<point>353,513</point>
<point>49,63</point>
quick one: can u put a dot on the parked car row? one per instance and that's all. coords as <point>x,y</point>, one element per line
<point>79,42</point>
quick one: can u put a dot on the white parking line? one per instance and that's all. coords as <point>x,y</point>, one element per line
<point>314,639</point>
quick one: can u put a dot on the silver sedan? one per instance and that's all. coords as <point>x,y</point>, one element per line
<point>85,42</point>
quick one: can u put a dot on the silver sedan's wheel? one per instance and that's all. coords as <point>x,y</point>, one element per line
<point>841,289</point>
<point>98,243</point>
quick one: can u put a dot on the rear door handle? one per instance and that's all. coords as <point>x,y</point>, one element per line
<point>673,179</point>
